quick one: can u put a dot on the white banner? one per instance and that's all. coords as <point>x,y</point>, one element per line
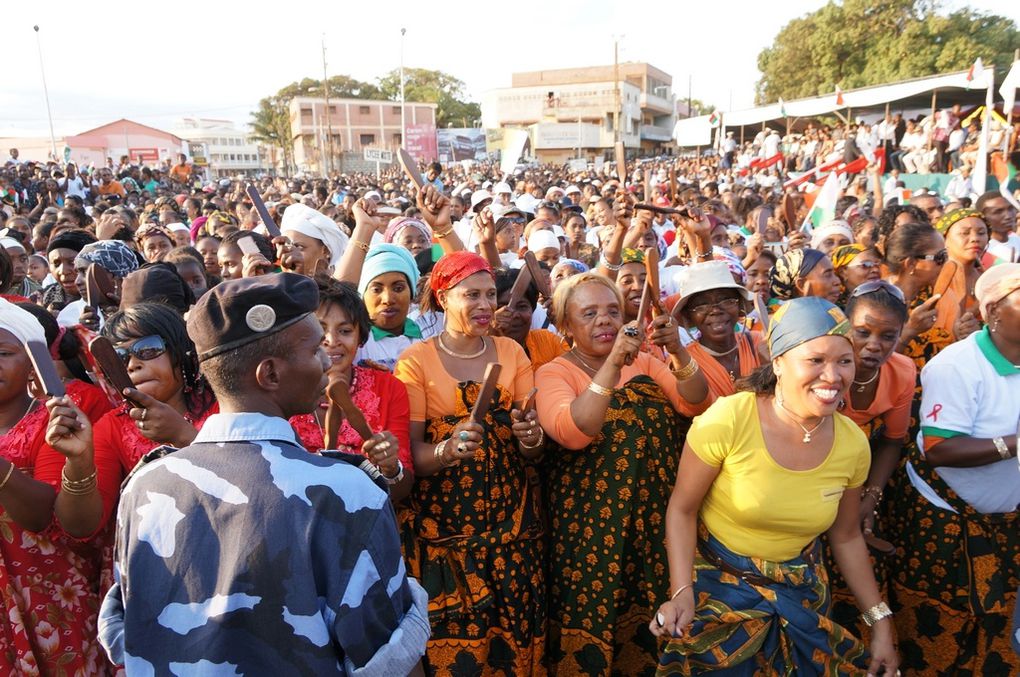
<point>693,131</point>
<point>514,141</point>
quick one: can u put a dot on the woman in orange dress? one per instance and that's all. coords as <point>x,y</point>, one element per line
<point>472,531</point>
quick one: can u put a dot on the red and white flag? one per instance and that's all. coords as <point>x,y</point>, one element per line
<point>976,72</point>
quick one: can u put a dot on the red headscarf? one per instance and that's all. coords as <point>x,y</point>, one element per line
<point>452,269</point>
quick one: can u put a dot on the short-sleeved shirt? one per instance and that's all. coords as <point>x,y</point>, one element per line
<point>384,348</point>
<point>971,389</point>
<point>243,553</point>
<point>432,392</point>
<point>755,506</point>
<point>897,381</point>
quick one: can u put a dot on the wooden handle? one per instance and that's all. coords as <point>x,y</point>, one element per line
<point>45,369</point>
<point>339,396</point>
<point>112,367</point>
<point>260,207</point>
<point>520,287</point>
<point>646,300</point>
<point>486,392</point>
<point>879,545</point>
<point>661,210</point>
<point>621,162</point>
<point>529,401</point>
<point>410,168</point>
<point>652,279</point>
<point>536,274</point>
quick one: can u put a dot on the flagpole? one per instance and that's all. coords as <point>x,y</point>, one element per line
<point>46,93</point>
<point>980,175</point>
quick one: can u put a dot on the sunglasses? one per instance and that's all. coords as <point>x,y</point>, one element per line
<point>939,257</point>
<point>867,265</point>
<point>145,349</point>
<point>877,285</point>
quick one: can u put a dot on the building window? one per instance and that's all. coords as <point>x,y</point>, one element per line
<point>364,110</point>
<point>332,110</point>
<point>367,139</point>
<point>306,115</point>
<point>396,139</point>
<point>396,110</point>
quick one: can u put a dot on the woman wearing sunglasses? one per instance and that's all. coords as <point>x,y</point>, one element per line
<point>167,405</point>
<point>914,254</point>
<point>879,402</point>
<point>854,265</point>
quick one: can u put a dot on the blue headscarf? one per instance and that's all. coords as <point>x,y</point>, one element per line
<point>388,258</point>
<point>800,320</point>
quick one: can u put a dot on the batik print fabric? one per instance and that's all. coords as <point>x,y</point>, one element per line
<point>49,580</point>
<point>473,536</point>
<point>243,552</point>
<point>608,569</point>
<point>742,629</point>
<point>954,582</point>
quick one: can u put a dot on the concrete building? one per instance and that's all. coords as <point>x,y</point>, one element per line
<point>574,112</point>
<point>220,147</point>
<point>356,124</point>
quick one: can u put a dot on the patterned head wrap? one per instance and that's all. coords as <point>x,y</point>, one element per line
<point>151,230</point>
<point>633,256</point>
<point>454,268</point>
<point>223,217</point>
<point>950,219</point>
<point>843,256</point>
<point>572,263</point>
<point>836,227</point>
<point>399,223</point>
<point>995,284</point>
<point>801,320</point>
<point>732,262</point>
<point>790,267</point>
<point>116,257</point>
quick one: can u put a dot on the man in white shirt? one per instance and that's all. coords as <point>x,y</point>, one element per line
<point>72,184</point>
<point>1000,215</point>
<point>960,185</point>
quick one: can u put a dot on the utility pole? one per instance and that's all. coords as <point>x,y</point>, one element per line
<point>617,114</point>
<point>690,101</point>
<point>403,114</point>
<point>46,94</point>
<point>329,120</point>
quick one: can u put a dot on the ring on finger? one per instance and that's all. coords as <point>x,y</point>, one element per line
<point>462,448</point>
<point>145,412</point>
<point>660,619</point>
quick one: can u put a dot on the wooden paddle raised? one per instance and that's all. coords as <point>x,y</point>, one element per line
<point>652,280</point>
<point>260,207</point>
<point>621,163</point>
<point>45,370</point>
<point>112,367</point>
<point>520,287</point>
<point>98,286</point>
<point>486,392</point>
<point>531,263</point>
<point>410,168</point>
<point>672,185</point>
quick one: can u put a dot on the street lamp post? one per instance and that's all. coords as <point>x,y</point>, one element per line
<point>46,93</point>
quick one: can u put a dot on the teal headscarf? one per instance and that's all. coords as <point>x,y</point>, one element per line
<point>388,258</point>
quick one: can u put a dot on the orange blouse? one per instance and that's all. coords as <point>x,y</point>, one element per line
<point>560,382</point>
<point>897,379</point>
<point>719,380</point>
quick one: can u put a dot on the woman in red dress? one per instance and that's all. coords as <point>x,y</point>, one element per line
<point>380,396</point>
<point>48,580</point>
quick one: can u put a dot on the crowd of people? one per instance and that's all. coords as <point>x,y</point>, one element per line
<point>718,441</point>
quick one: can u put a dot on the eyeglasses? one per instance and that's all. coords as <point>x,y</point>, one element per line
<point>939,257</point>
<point>726,305</point>
<point>145,349</point>
<point>877,285</point>
<point>867,265</point>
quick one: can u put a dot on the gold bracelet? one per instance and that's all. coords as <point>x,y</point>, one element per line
<point>64,479</point>
<point>440,236</point>
<point>872,491</point>
<point>600,390</point>
<point>688,370</point>
<point>10,471</point>
<point>679,590</point>
<point>536,445</point>
<point>363,246</point>
<point>78,487</point>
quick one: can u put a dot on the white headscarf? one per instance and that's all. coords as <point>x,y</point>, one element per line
<point>835,227</point>
<point>21,323</point>
<point>314,224</point>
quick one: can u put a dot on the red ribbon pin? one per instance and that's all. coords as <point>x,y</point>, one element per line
<point>934,413</point>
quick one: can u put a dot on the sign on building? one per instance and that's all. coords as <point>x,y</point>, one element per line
<point>378,155</point>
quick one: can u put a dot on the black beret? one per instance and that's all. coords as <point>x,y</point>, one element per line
<point>157,282</point>
<point>237,312</point>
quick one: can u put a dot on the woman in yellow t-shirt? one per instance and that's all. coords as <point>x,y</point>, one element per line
<point>763,474</point>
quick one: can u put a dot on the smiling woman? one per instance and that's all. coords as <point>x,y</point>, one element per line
<point>763,474</point>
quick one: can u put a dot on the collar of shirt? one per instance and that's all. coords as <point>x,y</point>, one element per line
<point>411,331</point>
<point>246,427</point>
<point>1002,366</point>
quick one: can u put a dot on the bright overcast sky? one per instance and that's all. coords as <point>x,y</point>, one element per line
<point>155,62</point>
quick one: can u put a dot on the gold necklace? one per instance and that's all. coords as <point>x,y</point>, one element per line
<point>861,385</point>
<point>583,363</point>
<point>463,356</point>
<point>807,433</point>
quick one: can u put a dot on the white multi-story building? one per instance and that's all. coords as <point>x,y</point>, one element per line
<point>576,111</point>
<point>220,147</point>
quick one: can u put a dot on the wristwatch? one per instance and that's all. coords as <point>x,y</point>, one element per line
<point>396,478</point>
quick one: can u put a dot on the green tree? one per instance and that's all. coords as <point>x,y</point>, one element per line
<point>433,87</point>
<point>857,43</point>
<point>270,124</point>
